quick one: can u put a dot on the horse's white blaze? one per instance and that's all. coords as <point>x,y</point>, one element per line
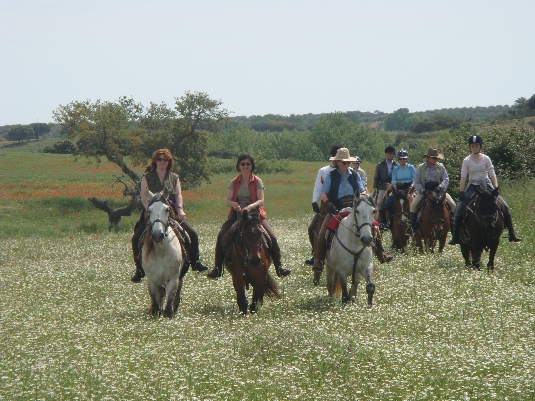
<point>341,261</point>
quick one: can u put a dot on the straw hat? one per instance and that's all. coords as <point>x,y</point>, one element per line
<point>433,152</point>
<point>342,154</point>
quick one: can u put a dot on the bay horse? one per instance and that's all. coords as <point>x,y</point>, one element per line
<point>162,258</point>
<point>249,261</point>
<point>401,221</point>
<point>481,228</point>
<point>350,252</point>
<point>434,224</point>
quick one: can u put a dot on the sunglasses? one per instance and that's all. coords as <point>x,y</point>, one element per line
<point>245,164</point>
<point>402,158</point>
<point>161,159</point>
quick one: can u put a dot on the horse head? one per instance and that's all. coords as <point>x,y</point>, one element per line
<point>363,212</point>
<point>402,204</point>
<point>159,210</point>
<point>252,237</point>
<point>487,207</point>
<point>437,214</point>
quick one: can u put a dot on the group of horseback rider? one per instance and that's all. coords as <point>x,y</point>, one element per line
<point>335,186</point>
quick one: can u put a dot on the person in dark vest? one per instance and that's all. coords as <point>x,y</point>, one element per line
<point>381,181</point>
<point>431,175</point>
<point>246,192</point>
<point>478,170</point>
<point>337,192</point>
<point>160,178</point>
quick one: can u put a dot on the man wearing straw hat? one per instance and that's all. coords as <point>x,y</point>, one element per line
<point>430,176</point>
<point>316,193</point>
<point>337,192</point>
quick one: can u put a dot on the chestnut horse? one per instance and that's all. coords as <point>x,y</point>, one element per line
<point>434,223</point>
<point>401,221</point>
<point>481,228</point>
<point>249,261</point>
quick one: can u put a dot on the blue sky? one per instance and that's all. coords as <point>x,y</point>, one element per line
<point>260,57</point>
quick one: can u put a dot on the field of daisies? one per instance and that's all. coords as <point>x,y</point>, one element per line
<point>73,326</point>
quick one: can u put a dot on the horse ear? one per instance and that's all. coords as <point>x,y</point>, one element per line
<point>150,195</point>
<point>357,193</point>
<point>496,191</point>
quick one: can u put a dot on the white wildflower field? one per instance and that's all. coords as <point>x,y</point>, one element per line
<point>73,327</point>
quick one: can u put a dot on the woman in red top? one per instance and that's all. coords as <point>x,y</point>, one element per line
<point>246,192</point>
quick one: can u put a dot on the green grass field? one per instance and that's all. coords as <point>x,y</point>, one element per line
<point>72,325</point>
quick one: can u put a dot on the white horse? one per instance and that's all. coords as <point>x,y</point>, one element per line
<point>350,252</point>
<point>162,258</point>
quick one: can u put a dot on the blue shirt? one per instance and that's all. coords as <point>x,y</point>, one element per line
<point>345,188</point>
<point>405,175</point>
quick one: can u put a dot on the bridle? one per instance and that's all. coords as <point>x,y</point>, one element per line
<point>166,224</point>
<point>247,248</point>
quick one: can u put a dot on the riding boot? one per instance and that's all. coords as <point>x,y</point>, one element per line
<point>380,252</point>
<point>198,266</point>
<point>508,221</point>
<point>139,273</point>
<point>456,230</point>
<point>217,271</point>
<point>276,256</point>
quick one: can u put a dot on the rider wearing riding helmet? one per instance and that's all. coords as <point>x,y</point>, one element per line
<point>480,172</point>
<point>402,177</point>
<point>430,176</point>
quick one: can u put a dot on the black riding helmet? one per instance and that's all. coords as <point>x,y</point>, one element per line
<point>402,154</point>
<point>475,139</point>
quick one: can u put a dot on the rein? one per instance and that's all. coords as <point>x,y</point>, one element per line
<point>261,246</point>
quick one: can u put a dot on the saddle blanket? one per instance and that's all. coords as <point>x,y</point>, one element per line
<point>336,219</point>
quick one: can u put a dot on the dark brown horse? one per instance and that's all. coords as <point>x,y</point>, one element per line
<point>482,228</point>
<point>249,262</point>
<point>434,223</point>
<point>401,221</point>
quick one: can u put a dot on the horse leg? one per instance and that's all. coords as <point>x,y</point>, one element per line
<point>343,284</point>
<point>476,257</point>
<point>259,285</point>
<point>170,293</point>
<point>370,285</point>
<point>154,293</point>
<point>330,276</point>
<point>354,286</point>
<point>177,296</point>
<point>465,250</point>
<point>492,254</point>
<point>241,296</point>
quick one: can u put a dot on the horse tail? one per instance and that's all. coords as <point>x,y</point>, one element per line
<point>272,288</point>
<point>337,286</point>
